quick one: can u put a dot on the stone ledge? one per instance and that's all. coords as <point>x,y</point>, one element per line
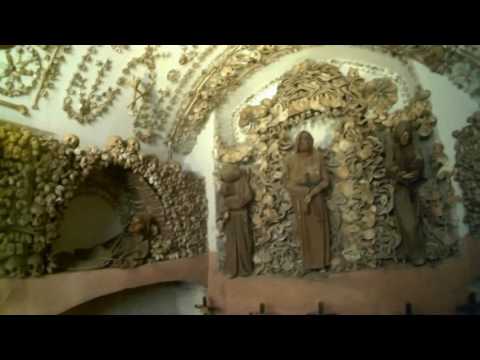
<point>430,290</point>
<point>55,294</point>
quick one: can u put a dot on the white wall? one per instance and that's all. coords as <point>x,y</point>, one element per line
<point>452,107</point>
<point>202,162</point>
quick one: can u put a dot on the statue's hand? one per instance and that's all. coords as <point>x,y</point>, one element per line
<point>308,199</point>
<point>226,216</point>
<point>323,187</point>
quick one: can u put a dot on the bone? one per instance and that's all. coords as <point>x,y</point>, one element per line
<point>45,76</point>
<point>22,109</point>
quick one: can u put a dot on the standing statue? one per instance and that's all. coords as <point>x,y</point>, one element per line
<point>406,167</point>
<point>306,179</point>
<point>236,194</point>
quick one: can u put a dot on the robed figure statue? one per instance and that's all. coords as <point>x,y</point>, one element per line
<point>306,180</point>
<point>235,196</point>
<point>406,169</point>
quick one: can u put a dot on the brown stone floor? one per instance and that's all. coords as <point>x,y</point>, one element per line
<point>431,290</point>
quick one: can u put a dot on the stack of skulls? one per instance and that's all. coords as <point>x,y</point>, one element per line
<point>468,170</point>
<point>40,175</point>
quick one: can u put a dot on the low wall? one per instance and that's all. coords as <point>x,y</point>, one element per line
<point>55,294</point>
<point>431,290</point>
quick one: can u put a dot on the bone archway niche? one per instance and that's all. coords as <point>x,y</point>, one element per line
<point>100,211</point>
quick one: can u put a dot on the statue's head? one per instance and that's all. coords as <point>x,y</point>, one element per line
<point>404,133</point>
<point>71,140</point>
<point>138,225</point>
<point>230,172</point>
<point>304,143</point>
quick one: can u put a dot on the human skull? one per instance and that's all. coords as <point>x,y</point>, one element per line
<point>59,189</point>
<point>248,116</point>
<point>36,265</point>
<point>92,152</point>
<point>133,145</point>
<point>71,140</point>
<point>114,142</point>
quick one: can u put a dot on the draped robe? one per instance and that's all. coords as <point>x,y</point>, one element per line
<point>305,172</point>
<point>239,247</point>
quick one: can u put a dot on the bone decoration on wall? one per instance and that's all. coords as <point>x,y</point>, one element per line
<point>468,170</point>
<point>363,167</point>
<point>164,216</point>
<point>164,95</point>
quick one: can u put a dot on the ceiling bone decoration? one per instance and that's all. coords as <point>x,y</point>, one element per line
<point>120,48</point>
<point>56,55</point>
<point>182,111</point>
<point>146,106</point>
<point>240,61</point>
<point>96,102</point>
<point>21,71</point>
<point>211,88</point>
<point>22,109</point>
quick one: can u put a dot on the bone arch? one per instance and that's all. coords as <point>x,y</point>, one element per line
<point>238,63</point>
<point>61,167</point>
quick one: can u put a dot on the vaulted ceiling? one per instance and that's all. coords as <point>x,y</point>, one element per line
<point>164,94</point>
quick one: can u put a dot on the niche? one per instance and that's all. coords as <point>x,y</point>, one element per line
<point>99,212</point>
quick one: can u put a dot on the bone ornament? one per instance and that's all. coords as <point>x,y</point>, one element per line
<point>22,109</point>
<point>39,176</point>
<point>364,231</point>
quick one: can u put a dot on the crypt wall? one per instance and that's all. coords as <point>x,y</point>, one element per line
<point>267,290</point>
<point>450,105</point>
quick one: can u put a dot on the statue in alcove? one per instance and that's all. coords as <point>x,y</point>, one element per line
<point>235,195</point>
<point>405,166</point>
<point>306,180</point>
<point>132,249</point>
<point>127,250</point>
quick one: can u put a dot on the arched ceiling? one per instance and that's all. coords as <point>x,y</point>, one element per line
<point>262,84</point>
<point>55,85</point>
